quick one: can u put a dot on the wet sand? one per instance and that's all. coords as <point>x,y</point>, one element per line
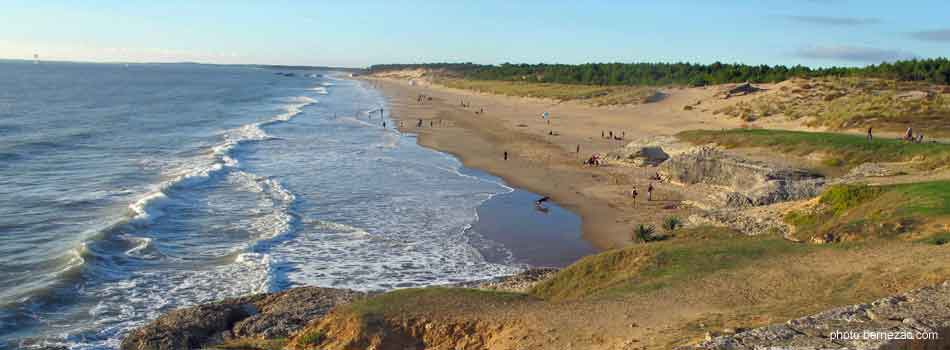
<point>548,237</point>
<point>549,164</point>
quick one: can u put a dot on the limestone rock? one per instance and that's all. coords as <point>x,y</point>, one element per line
<point>920,312</point>
<point>647,151</point>
<point>746,183</point>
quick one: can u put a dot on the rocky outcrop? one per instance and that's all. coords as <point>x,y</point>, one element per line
<point>647,151</point>
<point>519,283</point>
<point>273,315</point>
<point>738,90</point>
<point>923,314</point>
<point>864,172</point>
<point>746,183</point>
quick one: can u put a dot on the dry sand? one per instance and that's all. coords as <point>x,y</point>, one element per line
<point>549,164</point>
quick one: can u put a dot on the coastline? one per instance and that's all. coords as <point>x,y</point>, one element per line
<point>480,134</point>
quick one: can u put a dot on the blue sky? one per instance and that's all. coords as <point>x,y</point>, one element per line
<point>359,33</point>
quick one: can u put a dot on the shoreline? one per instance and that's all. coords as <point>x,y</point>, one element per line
<point>480,134</point>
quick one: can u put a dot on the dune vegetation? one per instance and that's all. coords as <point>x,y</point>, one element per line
<point>589,94</point>
<point>857,212</point>
<point>845,103</point>
<point>846,150</point>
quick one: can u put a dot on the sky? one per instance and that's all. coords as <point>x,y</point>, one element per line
<point>357,33</point>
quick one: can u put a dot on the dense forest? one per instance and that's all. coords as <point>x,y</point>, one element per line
<point>930,70</point>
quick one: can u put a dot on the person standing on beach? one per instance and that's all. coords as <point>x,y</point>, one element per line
<point>601,134</point>
<point>870,135</point>
<point>506,155</point>
<point>578,149</point>
<point>634,194</point>
<point>650,192</point>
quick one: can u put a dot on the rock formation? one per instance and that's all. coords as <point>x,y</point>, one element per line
<point>647,151</point>
<point>272,315</point>
<point>923,313</point>
<point>747,183</point>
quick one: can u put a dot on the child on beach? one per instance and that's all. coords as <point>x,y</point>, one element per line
<point>650,192</point>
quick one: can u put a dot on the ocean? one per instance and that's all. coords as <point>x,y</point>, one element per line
<point>130,190</point>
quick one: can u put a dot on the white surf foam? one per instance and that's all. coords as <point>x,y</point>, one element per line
<point>149,207</point>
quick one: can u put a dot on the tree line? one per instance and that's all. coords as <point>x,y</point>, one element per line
<point>935,70</point>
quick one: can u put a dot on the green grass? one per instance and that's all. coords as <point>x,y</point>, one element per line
<point>694,253</point>
<point>844,197</point>
<point>591,94</point>
<point>848,150</point>
<point>406,300</point>
<point>938,239</point>
<point>854,212</point>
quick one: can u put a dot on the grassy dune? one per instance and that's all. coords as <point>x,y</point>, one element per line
<point>646,267</point>
<point>843,103</point>
<point>590,94</point>
<point>857,212</point>
<point>845,150</point>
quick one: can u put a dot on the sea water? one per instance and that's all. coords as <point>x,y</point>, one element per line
<point>130,190</point>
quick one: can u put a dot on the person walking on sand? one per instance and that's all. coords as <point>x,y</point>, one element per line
<point>506,155</point>
<point>611,135</point>
<point>870,135</point>
<point>601,134</point>
<point>650,192</point>
<point>634,194</point>
<point>384,125</point>
<point>578,149</point>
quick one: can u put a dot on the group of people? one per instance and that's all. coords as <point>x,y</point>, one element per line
<point>422,98</point>
<point>634,193</point>
<point>594,160</point>
<point>610,135</point>
<point>432,123</point>
<point>910,137</point>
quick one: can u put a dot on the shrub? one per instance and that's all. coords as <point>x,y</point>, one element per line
<point>644,233</point>
<point>671,223</point>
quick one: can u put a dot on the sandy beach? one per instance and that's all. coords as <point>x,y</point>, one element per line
<point>542,155</point>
